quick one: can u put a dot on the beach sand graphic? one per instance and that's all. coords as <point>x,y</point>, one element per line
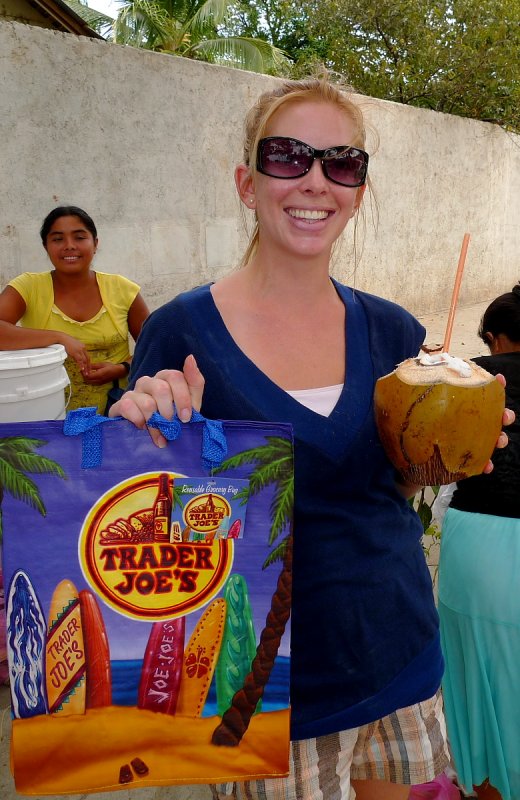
<point>84,753</point>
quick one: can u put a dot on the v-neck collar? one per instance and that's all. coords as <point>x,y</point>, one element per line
<point>331,434</point>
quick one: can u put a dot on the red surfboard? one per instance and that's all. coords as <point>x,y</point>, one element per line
<point>97,652</point>
<point>234,531</point>
<point>162,667</point>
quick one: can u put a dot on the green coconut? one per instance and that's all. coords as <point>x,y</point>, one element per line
<point>437,425</point>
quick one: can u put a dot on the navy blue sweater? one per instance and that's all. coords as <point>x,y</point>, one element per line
<point>364,631</point>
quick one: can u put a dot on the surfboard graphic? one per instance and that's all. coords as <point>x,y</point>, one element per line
<point>97,652</point>
<point>200,659</point>
<point>238,644</point>
<point>234,531</point>
<point>65,652</point>
<point>26,631</point>
<point>162,667</point>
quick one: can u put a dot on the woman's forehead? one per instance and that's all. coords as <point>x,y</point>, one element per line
<point>67,222</point>
<point>303,118</point>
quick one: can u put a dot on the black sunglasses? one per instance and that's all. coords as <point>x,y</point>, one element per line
<point>286,158</point>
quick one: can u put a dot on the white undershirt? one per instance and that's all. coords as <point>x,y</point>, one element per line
<point>322,400</point>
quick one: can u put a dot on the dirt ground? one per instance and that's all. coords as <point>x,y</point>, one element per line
<point>464,340</point>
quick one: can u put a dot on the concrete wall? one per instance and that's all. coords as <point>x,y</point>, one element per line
<point>147,144</point>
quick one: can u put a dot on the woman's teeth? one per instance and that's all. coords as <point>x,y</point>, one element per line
<point>304,213</point>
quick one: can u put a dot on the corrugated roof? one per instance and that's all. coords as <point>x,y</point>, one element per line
<point>66,18</point>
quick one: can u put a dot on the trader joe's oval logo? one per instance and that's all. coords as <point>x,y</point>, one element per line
<point>140,563</point>
<point>206,513</point>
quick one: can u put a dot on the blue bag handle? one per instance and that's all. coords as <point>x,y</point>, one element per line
<point>87,422</point>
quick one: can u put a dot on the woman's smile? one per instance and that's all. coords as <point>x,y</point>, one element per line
<point>308,214</point>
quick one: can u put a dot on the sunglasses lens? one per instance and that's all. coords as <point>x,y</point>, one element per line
<point>349,168</point>
<point>284,158</point>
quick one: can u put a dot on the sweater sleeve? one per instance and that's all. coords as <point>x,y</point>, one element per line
<point>163,342</point>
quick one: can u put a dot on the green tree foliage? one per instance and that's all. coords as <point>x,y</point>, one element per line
<point>458,57</point>
<point>282,22</point>
<point>193,29</point>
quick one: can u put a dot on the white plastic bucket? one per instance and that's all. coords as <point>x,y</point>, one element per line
<point>32,384</point>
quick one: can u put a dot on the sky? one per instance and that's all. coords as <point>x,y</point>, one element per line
<point>110,7</point>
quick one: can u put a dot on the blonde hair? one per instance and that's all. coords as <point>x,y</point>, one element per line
<point>259,116</point>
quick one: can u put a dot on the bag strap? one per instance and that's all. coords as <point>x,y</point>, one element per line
<point>214,444</point>
<point>87,422</point>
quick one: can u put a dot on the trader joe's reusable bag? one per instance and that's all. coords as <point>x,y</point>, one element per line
<point>147,600</point>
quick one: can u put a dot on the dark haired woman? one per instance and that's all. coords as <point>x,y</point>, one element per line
<point>90,313</point>
<point>479,597</point>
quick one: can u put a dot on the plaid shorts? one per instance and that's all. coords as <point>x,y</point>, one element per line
<point>407,747</point>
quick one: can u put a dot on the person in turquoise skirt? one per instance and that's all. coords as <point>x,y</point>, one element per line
<point>479,596</point>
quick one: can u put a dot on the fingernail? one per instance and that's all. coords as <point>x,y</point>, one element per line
<point>185,415</point>
<point>161,442</point>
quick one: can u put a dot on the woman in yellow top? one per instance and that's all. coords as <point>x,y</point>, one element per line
<point>90,313</point>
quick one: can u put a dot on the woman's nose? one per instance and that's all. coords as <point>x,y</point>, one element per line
<point>315,179</point>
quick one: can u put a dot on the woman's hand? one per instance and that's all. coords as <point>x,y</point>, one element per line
<point>104,372</point>
<point>76,350</point>
<point>508,417</point>
<point>169,389</point>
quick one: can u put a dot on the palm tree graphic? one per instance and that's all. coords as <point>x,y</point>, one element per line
<point>17,457</point>
<point>274,465</point>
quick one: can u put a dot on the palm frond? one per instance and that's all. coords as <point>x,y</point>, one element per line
<point>238,460</point>
<point>191,29</point>
<point>240,52</point>
<point>278,554</point>
<point>275,449</point>
<point>20,443</point>
<point>142,24</point>
<point>214,12</point>
<point>21,487</point>
<point>281,508</point>
<point>36,464</point>
<point>265,474</point>
<point>273,465</point>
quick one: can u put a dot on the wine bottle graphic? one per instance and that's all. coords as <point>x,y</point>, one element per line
<point>162,509</point>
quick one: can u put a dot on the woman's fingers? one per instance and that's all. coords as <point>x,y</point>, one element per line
<point>195,381</point>
<point>502,440</point>
<point>157,394</point>
<point>186,387</point>
<point>135,406</point>
<point>169,390</point>
<point>508,416</point>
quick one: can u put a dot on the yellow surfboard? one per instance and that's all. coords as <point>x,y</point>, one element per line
<point>65,652</point>
<point>200,659</point>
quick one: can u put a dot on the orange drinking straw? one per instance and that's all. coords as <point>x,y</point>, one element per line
<point>455,294</point>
